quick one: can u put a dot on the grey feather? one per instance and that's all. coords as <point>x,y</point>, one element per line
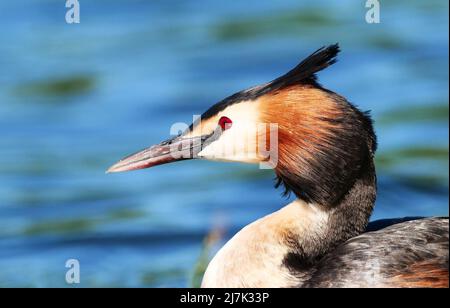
<point>373,259</point>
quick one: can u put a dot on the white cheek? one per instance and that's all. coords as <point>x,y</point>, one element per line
<point>239,143</point>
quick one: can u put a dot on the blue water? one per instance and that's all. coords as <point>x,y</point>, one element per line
<point>75,98</point>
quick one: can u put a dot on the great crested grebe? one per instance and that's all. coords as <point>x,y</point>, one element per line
<point>325,155</point>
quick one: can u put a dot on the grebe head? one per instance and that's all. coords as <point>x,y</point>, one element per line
<point>322,143</point>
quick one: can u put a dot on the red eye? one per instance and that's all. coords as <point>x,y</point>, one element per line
<point>225,123</point>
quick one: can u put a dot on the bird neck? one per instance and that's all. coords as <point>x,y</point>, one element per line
<point>332,225</point>
<point>296,237</point>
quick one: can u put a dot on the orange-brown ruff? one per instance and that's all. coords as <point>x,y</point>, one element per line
<point>315,124</point>
<point>326,149</point>
<point>304,123</point>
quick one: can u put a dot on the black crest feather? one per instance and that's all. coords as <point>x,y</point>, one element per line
<point>305,71</point>
<point>302,73</point>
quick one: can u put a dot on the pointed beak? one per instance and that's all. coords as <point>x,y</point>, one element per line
<point>174,149</point>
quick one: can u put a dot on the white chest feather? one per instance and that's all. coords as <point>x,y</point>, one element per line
<point>254,256</point>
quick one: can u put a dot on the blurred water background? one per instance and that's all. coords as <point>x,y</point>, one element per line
<point>75,98</point>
